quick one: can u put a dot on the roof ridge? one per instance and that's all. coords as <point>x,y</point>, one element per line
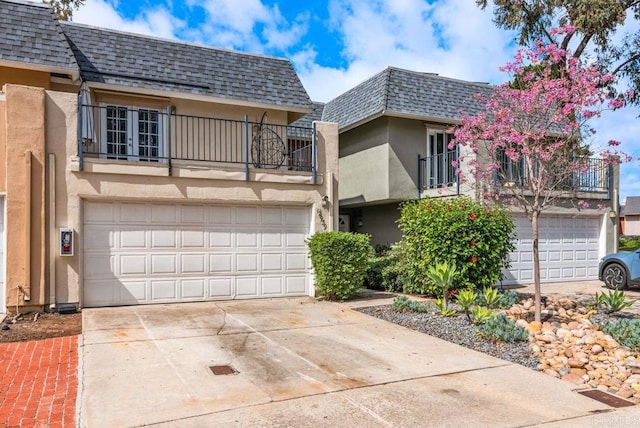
<point>173,41</point>
<point>385,91</point>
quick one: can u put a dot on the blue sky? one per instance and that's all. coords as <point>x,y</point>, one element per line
<point>336,44</point>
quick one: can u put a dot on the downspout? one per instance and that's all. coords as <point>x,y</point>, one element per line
<point>53,239</point>
<point>26,287</point>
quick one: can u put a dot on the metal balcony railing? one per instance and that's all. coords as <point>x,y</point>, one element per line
<point>590,175</point>
<point>437,171</point>
<point>157,136</point>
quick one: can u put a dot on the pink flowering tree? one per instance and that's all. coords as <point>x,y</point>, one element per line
<point>532,140</point>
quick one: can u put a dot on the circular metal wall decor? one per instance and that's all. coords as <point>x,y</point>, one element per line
<point>267,148</point>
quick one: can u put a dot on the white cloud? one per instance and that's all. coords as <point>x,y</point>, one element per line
<point>450,37</point>
<point>249,25</point>
<point>156,21</point>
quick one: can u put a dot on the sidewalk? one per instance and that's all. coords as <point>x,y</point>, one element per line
<point>39,383</point>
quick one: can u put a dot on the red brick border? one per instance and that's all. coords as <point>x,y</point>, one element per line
<point>39,383</point>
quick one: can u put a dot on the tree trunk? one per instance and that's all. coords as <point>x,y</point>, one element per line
<point>536,266</point>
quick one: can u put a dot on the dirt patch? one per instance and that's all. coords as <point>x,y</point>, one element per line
<point>40,325</point>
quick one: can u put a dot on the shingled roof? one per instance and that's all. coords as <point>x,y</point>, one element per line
<point>316,115</point>
<point>631,206</point>
<point>398,92</point>
<point>30,33</point>
<point>138,61</point>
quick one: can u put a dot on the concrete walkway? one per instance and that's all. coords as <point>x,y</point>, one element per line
<point>302,363</point>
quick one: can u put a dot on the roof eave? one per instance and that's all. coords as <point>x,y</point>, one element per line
<point>197,97</point>
<point>73,72</point>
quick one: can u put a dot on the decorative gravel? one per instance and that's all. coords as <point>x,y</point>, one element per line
<point>455,329</point>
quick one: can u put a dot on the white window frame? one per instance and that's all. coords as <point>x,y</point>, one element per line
<point>133,135</point>
<point>442,167</point>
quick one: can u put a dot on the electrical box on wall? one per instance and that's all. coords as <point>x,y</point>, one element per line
<point>66,241</point>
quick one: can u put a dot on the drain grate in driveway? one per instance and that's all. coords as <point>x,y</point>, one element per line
<point>606,398</point>
<point>223,370</point>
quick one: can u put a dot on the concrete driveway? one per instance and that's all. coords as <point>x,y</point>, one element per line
<point>302,363</point>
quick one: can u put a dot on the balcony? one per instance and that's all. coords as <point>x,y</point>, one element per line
<point>162,138</point>
<point>437,172</point>
<point>585,175</point>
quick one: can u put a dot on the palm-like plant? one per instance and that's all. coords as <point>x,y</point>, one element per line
<point>443,275</point>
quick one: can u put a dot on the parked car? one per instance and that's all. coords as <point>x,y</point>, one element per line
<point>620,270</point>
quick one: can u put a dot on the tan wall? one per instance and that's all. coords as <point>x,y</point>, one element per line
<point>120,180</point>
<point>18,76</point>
<point>25,172</point>
<point>632,225</point>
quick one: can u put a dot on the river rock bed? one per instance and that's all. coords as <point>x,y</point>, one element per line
<point>568,345</point>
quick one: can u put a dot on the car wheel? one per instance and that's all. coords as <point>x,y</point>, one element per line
<point>615,277</point>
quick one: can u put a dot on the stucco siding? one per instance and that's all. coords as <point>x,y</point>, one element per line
<point>632,225</point>
<point>25,200</point>
<point>126,181</point>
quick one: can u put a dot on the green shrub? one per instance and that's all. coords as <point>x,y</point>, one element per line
<point>445,311</point>
<point>394,275</point>
<point>340,261</point>
<point>613,301</point>
<point>466,298</point>
<point>480,314</point>
<point>404,304</point>
<point>629,243</point>
<point>374,279</point>
<point>465,233</point>
<point>508,299</point>
<point>489,297</point>
<point>624,331</point>
<point>499,328</point>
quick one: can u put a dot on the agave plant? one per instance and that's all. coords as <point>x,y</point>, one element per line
<point>443,275</point>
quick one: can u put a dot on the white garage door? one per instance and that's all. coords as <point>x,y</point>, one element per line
<point>569,249</point>
<point>139,253</point>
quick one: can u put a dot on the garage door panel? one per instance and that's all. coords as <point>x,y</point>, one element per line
<point>271,216</point>
<point>193,289</point>
<point>192,214</point>
<point>133,213</point>
<point>140,253</point>
<point>246,263</point>
<point>163,214</point>
<point>247,239</point>
<point>220,215</point>
<point>193,239</point>
<point>221,287</point>
<point>98,265</point>
<point>219,239</point>
<point>272,286</point>
<point>221,263</point>
<point>296,285</point>
<point>163,264</point>
<point>247,215</point>
<point>192,264</point>
<point>296,239</point>
<point>272,262</point>
<point>272,240</point>
<point>246,287</point>
<point>133,239</point>
<point>133,264</point>
<point>164,239</point>
<point>99,213</point>
<point>164,290</point>
<point>97,238</point>
<point>132,292</point>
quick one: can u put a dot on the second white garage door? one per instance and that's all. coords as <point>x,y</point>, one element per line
<point>569,249</point>
<point>138,253</point>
